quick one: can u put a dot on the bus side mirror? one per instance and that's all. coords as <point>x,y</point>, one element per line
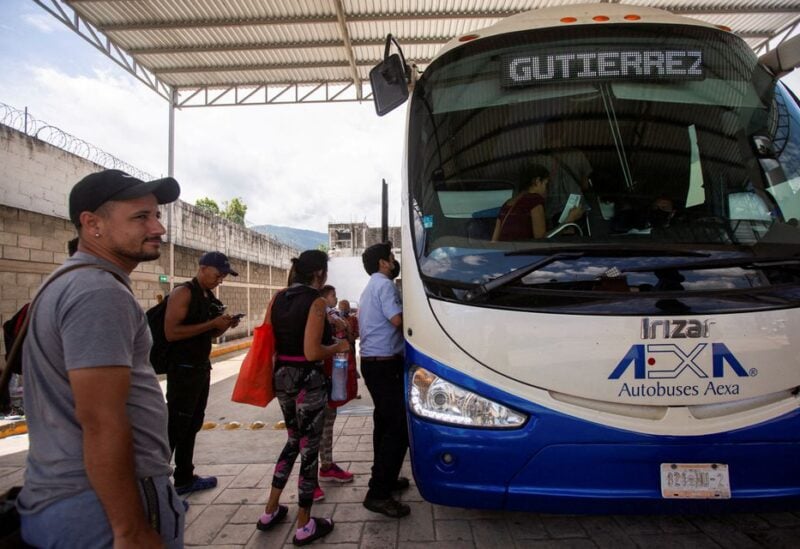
<point>783,59</point>
<point>389,85</point>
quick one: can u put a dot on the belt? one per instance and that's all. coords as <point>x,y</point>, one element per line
<point>380,358</point>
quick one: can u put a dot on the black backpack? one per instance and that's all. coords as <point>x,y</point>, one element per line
<point>159,353</point>
<point>16,328</point>
<point>11,330</point>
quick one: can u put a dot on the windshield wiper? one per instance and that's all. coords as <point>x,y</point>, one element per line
<point>502,280</point>
<point>612,251</point>
<point>722,263</point>
<point>557,254</point>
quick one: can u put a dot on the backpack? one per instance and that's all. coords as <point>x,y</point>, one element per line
<point>159,353</point>
<point>16,328</point>
<point>11,330</point>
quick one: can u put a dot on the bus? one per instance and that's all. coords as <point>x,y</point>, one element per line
<point>643,353</point>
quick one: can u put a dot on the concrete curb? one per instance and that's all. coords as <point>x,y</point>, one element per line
<point>232,347</point>
<point>13,427</point>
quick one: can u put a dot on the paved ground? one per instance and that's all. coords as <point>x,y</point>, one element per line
<point>241,446</point>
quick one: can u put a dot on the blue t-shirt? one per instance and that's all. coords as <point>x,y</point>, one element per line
<point>379,302</point>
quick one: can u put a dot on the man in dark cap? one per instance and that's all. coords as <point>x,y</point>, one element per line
<point>98,467</point>
<point>192,319</point>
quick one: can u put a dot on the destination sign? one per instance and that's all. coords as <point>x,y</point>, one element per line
<point>577,66</point>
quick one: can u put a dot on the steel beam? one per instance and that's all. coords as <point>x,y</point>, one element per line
<point>348,47</point>
<point>679,9</point>
<point>93,35</point>
<point>277,46</point>
<point>271,94</point>
<point>274,67</point>
<point>303,20</point>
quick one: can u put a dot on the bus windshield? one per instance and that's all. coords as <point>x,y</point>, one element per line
<point>671,140</point>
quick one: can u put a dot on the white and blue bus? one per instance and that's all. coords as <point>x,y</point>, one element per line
<point>646,356</point>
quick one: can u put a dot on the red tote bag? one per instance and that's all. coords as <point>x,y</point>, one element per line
<point>254,384</point>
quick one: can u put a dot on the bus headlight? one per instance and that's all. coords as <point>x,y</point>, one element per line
<point>432,397</point>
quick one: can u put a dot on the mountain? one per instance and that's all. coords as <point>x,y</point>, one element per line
<point>301,239</point>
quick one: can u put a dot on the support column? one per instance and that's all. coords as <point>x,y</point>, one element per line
<point>249,323</point>
<point>171,173</point>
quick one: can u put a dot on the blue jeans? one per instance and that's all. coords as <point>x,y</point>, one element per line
<point>81,522</point>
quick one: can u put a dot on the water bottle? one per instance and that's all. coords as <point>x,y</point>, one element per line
<point>339,377</point>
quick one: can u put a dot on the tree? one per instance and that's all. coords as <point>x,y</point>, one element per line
<point>207,204</point>
<point>235,210</point>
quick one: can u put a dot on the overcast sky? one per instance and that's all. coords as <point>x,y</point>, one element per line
<point>296,165</point>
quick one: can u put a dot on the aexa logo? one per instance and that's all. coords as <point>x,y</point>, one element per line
<point>661,381</point>
<point>637,357</point>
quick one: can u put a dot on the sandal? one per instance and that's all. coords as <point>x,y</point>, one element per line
<point>323,528</point>
<point>282,512</point>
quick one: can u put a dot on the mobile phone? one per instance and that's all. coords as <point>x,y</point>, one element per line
<point>238,316</point>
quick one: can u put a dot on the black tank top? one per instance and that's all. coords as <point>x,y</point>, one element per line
<point>196,350</point>
<point>289,317</point>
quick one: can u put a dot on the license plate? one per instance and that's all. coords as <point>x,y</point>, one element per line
<point>695,480</point>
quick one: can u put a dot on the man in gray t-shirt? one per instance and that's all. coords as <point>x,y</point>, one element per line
<point>98,466</point>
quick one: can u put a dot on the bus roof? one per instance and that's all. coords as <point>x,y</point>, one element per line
<point>576,15</point>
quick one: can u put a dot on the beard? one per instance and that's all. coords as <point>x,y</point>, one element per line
<point>141,255</point>
<point>395,270</point>
<point>138,255</point>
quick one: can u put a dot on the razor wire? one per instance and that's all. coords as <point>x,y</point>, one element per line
<point>22,121</point>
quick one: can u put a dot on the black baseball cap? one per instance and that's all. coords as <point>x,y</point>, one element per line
<point>219,261</point>
<point>97,188</point>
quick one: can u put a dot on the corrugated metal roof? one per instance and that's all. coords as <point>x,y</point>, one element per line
<point>213,52</point>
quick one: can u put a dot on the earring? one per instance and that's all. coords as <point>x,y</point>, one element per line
<point>97,235</point>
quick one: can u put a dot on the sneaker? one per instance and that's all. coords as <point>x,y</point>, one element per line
<point>336,474</point>
<point>389,507</point>
<point>319,495</point>
<point>198,483</point>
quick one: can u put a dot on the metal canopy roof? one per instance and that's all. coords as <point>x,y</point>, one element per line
<point>245,52</point>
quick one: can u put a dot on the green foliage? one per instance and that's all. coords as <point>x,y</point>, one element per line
<point>234,210</point>
<point>207,204</point>
<point>323,248</point>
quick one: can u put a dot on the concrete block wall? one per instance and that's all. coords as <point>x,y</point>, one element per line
<point>235,299</point>
<point>259,298</point>
<point>198,229</point>
<point>34,240</point>
<point>34,231</point>
<point>37,176</point>
<point>260,274</point>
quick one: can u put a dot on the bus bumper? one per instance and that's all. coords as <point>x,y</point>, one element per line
<point>561,464</point>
